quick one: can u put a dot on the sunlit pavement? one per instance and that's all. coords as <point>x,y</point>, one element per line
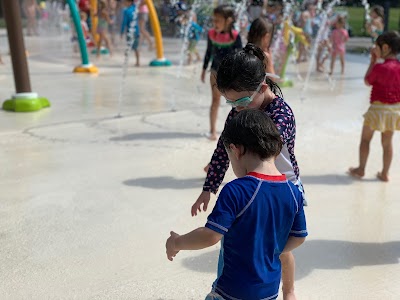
<point>87,199</point>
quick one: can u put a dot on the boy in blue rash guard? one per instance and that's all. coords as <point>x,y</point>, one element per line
<point>260,214</point>
<point>128,13</point>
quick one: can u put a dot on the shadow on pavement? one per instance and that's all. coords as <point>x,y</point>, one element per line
<point>166,182</point>
<point>331,179</point>
<point>155,136</point>
<point>319,254</point>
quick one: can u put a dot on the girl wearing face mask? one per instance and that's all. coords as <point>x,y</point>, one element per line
<point>242,80</point>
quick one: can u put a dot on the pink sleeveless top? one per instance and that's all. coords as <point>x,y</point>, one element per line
<point>143,9</point>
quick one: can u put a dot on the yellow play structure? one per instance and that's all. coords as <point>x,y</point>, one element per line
<point>155,25</point>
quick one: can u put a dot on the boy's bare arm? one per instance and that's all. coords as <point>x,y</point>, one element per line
<point>292,243</point>
<point>197,239</point>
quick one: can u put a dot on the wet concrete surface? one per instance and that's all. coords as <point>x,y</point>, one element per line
<point>87,200</point>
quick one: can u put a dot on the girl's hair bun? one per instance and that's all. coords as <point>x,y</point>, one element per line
<point>254,50</point>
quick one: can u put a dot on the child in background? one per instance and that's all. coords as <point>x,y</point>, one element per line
<point>384,112</point>
<point>102,27</point>
<point>195,31</point>
<point>222,40</point>
<point>143,17</point>
<point>112,12</point>
<point>260,34</point>
<point>86,33</point>
<point>126,23</point>
<point>85,29</point>
<point>84,5</point>
<point>324,47</point>
<point>376,26</point>
<point>31,8</point>
<point>243,82</point>
<point>339,38</point>
<point>259,215</point>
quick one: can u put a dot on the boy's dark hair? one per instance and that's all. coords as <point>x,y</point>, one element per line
<point>258,29</point>
<point>243,71</point>
<point>390,38</point>
<point>379,10</point>
<point>226,11</point>
<point>255,131</point>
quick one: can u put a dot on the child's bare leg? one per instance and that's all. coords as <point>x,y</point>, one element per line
<point>198,58</point>
<point>99,42</point>
<point>144,33</point>
<point>288,268</point>
<point>216,97</point>
<point>333,59</point>
<point>366,137</point>
<point>342,62</point>
<point>189,58</point>
<point>318,59</point>
<point>387,146</point>
<point>137,58</point>
<point>108,44</point>
<point>324,58</point>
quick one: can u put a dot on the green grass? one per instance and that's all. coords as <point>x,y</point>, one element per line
<point>356,19</point>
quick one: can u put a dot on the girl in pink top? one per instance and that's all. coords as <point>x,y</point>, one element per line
<point>339,37</point>
<point>143,19</point>
<point>384,112</point>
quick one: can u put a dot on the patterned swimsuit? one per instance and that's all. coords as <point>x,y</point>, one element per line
<point>282,116</point>
<point>220,45</point>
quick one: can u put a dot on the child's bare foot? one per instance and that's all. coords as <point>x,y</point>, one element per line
<point>382,177</point>
<point>289,296</point>
<point>320,69</point>
<point>356,173</point>
<point>212,136</point>
<point>137,65</point>
<point>206,168</point>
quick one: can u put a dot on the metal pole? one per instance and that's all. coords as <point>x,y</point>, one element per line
<point>386,8</point>
<point>23,100</point>
<point>12,17</point>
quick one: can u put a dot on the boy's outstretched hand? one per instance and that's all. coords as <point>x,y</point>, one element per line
<point>170,245</point>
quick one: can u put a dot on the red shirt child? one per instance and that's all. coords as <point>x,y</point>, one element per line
<point>385,81</point>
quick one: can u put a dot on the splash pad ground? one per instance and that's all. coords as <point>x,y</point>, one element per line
<point>87,200</point>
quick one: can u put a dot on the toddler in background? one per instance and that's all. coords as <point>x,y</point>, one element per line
<point>383,114</point>
<point>376,26</point>
<point>339,38</point>
<point>195,31</point>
